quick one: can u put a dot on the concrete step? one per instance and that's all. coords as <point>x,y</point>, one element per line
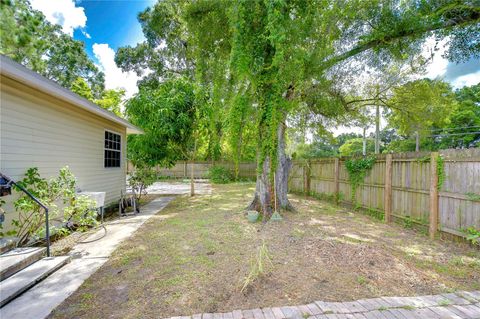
<point>28,277</point>
<point>7,243</point>
<point>16,259</point>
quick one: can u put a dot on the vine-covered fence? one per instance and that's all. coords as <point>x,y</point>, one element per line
<point>439,190</point>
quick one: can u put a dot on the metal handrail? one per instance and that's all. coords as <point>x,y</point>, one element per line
<point>39,203</point>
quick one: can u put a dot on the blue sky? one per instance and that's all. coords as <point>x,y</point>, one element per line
<point>106,25</point>
<point>112,22</point>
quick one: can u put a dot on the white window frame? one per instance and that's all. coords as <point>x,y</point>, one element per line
<point>109,149</point>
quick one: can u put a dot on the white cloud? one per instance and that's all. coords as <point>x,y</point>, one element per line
<point>86,34</point>
<point>438,65</point>
<point>114,77</point>
<point>63,13</point>
<point>466,80</point>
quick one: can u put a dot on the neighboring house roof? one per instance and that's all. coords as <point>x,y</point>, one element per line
<point>19,73</point>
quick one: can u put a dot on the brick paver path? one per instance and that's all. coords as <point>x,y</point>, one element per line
<point>453,305</point>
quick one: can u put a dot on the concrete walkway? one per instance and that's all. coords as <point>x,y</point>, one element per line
<point>39,301</point>
<point>458,305</point>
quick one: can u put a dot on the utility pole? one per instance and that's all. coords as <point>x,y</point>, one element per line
<point>377,129</point>
<point>364,152</point>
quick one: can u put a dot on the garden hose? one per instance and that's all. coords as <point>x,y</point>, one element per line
<point>87,233</point>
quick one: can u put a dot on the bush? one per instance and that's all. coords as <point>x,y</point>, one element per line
<point>140,179</point>
<point>220,175</point>
<point>78,211</point>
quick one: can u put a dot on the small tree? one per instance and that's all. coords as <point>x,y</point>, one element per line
<point>140,179</point>
<point>169,115</point>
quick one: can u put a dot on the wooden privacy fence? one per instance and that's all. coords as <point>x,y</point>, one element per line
<point>183,169</point>
<point>443,194</point>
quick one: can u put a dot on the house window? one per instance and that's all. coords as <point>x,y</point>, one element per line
<point>112,152</point>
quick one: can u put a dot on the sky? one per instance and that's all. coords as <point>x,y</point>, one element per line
<point>106,25</point>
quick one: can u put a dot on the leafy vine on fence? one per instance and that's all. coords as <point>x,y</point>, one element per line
<point>440,168</point>
<point>440,172</point>
<point>357,169</point>
<point>473,197</point>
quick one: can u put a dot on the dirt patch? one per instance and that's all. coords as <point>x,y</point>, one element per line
<point>195,259</point>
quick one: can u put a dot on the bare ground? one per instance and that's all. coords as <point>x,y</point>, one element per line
<point>196,260</point>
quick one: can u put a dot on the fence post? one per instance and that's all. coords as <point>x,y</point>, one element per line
<point>306,178</point>
<point>433,227</point>
<point>185,169</point>
<point>388,189</point>
<point>336,181</point>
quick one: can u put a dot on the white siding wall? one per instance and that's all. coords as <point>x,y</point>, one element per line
<point>37,130</point>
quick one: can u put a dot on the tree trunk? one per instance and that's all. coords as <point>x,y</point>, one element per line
<point>282,171</point>
<point>263,199</point>
<point>377,129</point>
<point>417,142</point>
<point>239,153</point>
<point>192,182</point>
<point>192,172</point>
<point>364,149</point>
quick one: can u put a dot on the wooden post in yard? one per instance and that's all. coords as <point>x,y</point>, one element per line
<point>185,169</point>
<point>306,178</point>
<point>388,189</point>
<point>336,180</point>
<point>433,227</point>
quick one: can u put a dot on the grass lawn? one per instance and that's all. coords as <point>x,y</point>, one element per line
<point>194,256</point>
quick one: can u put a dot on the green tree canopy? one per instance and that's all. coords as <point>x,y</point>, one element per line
<point>463,126</point>
<point>420,105</point>
<point>81,87</point>
<point>167,114</point>
<point>110,100</point>
<point>354,147</point>
<point>28,38</point>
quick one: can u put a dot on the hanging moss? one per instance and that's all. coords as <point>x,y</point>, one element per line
<point>357,169</point>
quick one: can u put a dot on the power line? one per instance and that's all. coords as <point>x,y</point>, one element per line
<point>454,134</point>
<point>453,128</point>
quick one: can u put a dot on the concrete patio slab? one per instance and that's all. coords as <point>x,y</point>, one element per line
<point>179,188</point>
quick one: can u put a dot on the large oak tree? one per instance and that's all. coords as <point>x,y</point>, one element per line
<point>282,56</point>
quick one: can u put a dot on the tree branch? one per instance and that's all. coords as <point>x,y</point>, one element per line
<point>474,17</point>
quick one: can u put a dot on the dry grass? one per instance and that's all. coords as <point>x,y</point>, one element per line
<point>197,256</point>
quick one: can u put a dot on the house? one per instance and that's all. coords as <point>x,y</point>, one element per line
<point>47,126</point>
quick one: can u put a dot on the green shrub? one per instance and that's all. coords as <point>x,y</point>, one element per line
<point>220,175</point>
<point>472,235</point>
<point>140,179</point>
<point>78,211</point>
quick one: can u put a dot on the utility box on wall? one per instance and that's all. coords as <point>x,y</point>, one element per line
<point>5,187</point>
